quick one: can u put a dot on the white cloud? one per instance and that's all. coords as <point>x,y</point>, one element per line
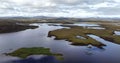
<point>117,0</point>
<point>103,5</point>
<point>59,8</point>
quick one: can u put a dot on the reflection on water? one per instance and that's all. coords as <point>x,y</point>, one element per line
<point>117,32</point>
<point>39,59</point>
<point>80,37</point>
<point>84,24</point>
<point>92,27</point>
<point>111,50</point>
<point>72,54</point>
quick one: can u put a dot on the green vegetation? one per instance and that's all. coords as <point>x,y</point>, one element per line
<point>70,35</point>
<point>25,52</point>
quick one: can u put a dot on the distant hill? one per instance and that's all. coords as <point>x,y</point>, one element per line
<point>58,18</point>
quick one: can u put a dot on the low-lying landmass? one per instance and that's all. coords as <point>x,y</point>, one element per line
<point>70,34</point>
<point>25,52</point>
<point>6,26</point>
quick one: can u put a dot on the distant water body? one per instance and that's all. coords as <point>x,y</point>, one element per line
<point>60,8</point>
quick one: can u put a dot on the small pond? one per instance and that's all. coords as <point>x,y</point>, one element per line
<point>117,32</point>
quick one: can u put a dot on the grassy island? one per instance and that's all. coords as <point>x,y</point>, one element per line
<point>25,52</point>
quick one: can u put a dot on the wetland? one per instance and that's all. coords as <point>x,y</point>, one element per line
<point>46,42</point>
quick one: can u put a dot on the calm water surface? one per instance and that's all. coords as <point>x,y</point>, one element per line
<point>72,54</point>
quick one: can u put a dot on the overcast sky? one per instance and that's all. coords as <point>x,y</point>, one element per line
<point>60,8</point>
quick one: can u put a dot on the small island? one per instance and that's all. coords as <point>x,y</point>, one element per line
<point>25,52</point>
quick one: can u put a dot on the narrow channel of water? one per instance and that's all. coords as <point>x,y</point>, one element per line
<point>112,50</point>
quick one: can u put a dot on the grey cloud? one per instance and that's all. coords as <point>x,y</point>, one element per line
<point>109,11</point>
<point>77,2</point>
<point>66,7</point>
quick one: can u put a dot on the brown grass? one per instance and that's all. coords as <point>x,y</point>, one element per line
<point>70,35</point>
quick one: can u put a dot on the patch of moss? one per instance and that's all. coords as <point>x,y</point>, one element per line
<point>25,52</point>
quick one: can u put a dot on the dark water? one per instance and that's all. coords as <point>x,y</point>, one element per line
<point>72,54</point>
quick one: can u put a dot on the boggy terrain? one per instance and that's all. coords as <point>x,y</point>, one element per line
<point>72,34</point>
<point>78,35</point>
